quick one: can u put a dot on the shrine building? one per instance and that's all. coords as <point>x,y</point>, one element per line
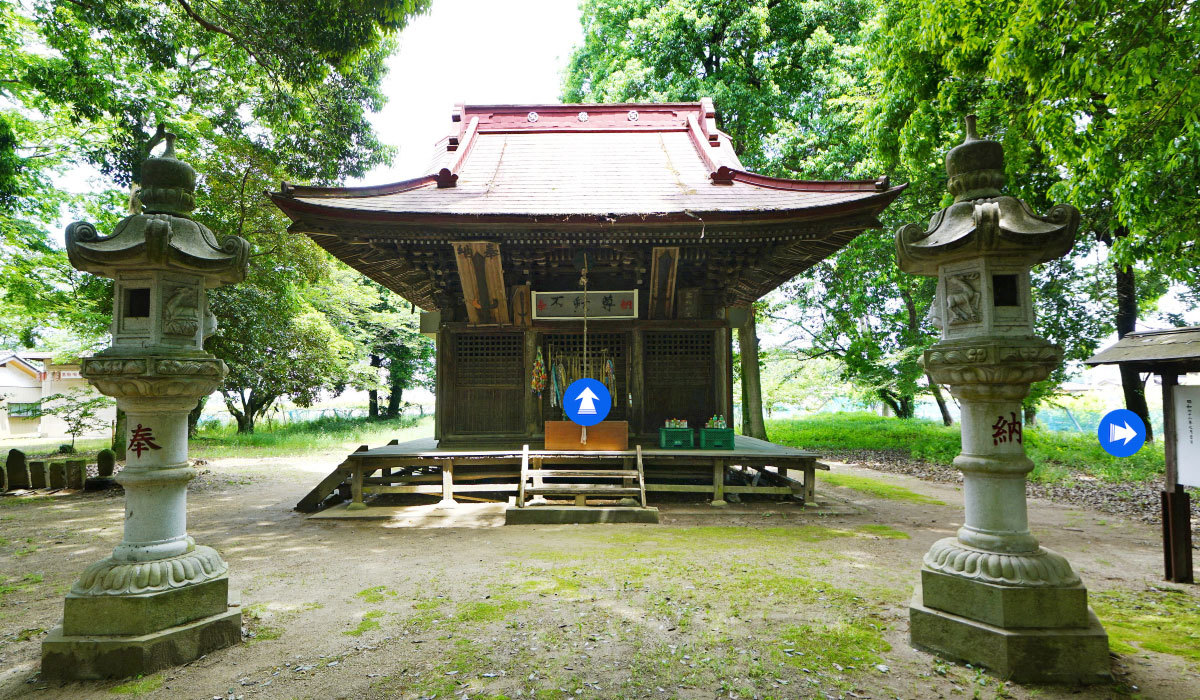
<point>676,237</point>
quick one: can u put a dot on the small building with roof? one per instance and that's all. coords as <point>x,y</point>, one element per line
<point>675,236</point>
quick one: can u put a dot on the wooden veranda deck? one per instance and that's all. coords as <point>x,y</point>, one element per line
<point>422,467</point>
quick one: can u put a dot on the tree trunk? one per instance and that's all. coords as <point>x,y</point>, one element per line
<point>244,416</point>
<point>118,446</point>
<point>373,394</point>
<point>941,401</point>
<point>1132,383</point>
<point>1030,416</point>
<point>393,404</point>
<point>752,408</point>
<point>194,416</point>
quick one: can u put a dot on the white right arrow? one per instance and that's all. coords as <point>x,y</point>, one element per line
<point>587,399</point>
<point>1116,432</point>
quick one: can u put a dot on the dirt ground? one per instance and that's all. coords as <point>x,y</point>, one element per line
<point>755,601</point>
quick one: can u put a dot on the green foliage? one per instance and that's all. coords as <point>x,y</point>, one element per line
<point>255,100</point>
<point>301,437</point>
<point>370,621</point>
<point>1057,456</point>
<point>79,408</point>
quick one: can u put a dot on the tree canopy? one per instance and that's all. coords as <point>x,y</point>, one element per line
<point>256,96</point>
<point>1095,103</point>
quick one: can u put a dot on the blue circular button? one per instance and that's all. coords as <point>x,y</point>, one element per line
<point>587,402</point>
<point>1121,432</point>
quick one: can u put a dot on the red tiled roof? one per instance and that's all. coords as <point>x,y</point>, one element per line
<point>606,162</point>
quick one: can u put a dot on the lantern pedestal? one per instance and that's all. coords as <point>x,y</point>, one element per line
<point>1044,654</point>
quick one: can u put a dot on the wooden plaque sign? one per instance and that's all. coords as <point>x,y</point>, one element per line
<point>1187,435</point>
<point>568,306</point>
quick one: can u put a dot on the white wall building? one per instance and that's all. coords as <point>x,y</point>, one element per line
<point>27,378</point>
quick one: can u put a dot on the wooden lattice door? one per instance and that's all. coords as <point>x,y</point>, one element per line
<point>488,383</point>
<point>680,377</point>
<point>601,346</point>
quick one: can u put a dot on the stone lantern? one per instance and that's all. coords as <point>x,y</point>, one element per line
<point>159,599</point>
<point>992,596</point>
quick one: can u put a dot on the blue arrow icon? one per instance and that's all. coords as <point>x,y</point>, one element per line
<point>1121,433</point>
<point>587,402</point>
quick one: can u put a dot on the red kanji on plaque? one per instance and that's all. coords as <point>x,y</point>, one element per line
<point>142,439</point>
<point>1006,430</point>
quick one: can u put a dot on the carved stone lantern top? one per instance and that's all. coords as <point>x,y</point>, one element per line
<point>163,237</point>
<point>982,221</point>
<point>161,262</point>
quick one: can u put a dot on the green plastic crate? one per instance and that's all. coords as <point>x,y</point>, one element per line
<point>676,438</point>
<point>716,438</point>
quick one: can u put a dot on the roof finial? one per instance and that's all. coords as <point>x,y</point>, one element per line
<point>971,136</point>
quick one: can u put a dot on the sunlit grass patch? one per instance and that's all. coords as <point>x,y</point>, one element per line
<point>25,583</point>
<point>375,594</point>
<point>878,489</point>
<point>1166,621</point>
<point>885,531</point>
<point>304,436</point>
<point>370,621</point>
<point>488,610</point>
<point>854,646</point>
<point>138,686</point>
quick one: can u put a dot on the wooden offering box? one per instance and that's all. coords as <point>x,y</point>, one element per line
<point>605,435</point>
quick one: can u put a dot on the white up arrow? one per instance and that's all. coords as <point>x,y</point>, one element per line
<point>1116,432</point>
<point>586,402</point>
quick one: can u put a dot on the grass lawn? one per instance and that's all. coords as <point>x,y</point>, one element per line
<point>305,437</point>
<point>1057,456</point>
<point>220,441</point>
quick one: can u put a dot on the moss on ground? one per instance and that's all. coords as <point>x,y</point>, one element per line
<point>877,488</point>
<point>19,585</point>
<point>138,686</point>
<point>376,594</point>
<point>1165,620</point>
<point>369,621</point>
<point>887,532</point>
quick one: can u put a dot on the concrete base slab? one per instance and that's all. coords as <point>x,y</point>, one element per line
<point>1010,607</point>
<point>1030,655</point>
<point>96,657</point>
<point>560,515</point>
<point>131,615</point>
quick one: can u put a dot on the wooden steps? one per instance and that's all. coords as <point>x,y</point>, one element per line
<point>623,484</point>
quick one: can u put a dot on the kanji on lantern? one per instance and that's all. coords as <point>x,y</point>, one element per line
<point>1006,429</point>
<point>142,439</point>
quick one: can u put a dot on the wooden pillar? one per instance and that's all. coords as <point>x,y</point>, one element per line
<point>533,421</point>
<point>637,385</point>
<point>752,409</point>
<point>719,483</point>
<point>440,384</point>
<point>810,483</point>
<point>1176,505</point>
<point>448,483</point>
<point>723,350</point>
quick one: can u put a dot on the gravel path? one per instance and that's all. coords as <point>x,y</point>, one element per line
<point>1134,500</point>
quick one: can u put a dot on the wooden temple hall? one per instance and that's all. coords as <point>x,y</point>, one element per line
<point>676,239</point>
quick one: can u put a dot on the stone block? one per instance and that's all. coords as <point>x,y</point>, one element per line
<point>37,475</point>
<point>1028,655</point>
<point>67,657</point>
<point>558,515</point>
<point>58,475</point>
<point>132,615</point>
<point>18,470</point>
<point>106,462</point>
<point>76,473</point>
<point>1011,607</point>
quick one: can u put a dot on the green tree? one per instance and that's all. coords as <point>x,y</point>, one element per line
<point>79,408</point>
<point>1095,102</point>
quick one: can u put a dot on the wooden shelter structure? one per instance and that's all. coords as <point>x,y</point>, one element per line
<point>1170,354</point>
<point>677,238</point>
